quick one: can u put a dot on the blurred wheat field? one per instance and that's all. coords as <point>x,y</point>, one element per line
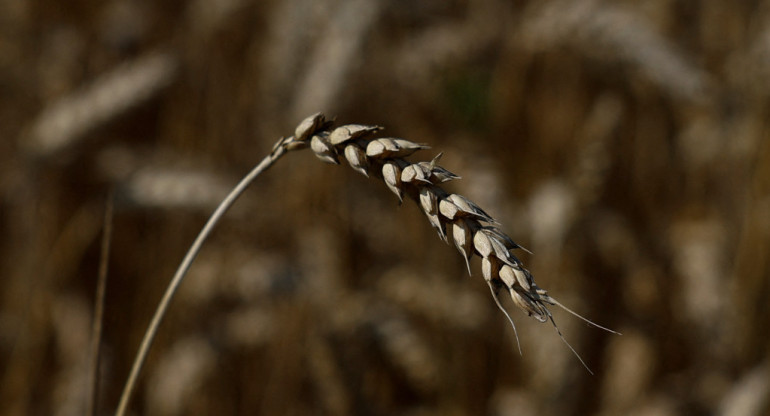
<point>625,143</point>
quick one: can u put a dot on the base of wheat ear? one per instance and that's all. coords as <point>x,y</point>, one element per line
<point>454,217</point>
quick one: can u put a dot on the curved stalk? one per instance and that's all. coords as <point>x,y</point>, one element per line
<point>279,150</point>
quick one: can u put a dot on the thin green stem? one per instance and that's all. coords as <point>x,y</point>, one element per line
<point>278,150</point>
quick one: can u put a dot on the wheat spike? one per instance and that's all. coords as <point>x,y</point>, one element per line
<point>473,231</point>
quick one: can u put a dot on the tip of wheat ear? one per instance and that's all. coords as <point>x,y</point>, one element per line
<point>473,231</point>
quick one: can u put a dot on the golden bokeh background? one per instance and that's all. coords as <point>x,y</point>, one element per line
<point>624,142</point>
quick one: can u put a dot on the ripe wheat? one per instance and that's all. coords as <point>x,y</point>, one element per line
<point>473,231</point>
<point>454,217</point>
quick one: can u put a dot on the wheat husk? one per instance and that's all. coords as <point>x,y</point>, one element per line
<point>473,230</point>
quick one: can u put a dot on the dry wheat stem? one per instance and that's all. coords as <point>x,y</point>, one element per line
<point>97,324</point>
<point>279,150</point>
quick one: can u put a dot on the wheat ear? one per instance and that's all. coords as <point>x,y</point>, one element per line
<point>471,229</point>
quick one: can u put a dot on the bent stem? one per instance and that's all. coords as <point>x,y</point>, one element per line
<point>279,150</point>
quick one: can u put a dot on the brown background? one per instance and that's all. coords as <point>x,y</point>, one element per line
<point>624,143</point>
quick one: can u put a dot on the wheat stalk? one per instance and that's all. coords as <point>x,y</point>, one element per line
<point>279,149</point>
<point>473,231</point>
<point>98,319</point>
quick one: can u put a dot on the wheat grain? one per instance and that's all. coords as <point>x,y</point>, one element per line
<point>473,231</point>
